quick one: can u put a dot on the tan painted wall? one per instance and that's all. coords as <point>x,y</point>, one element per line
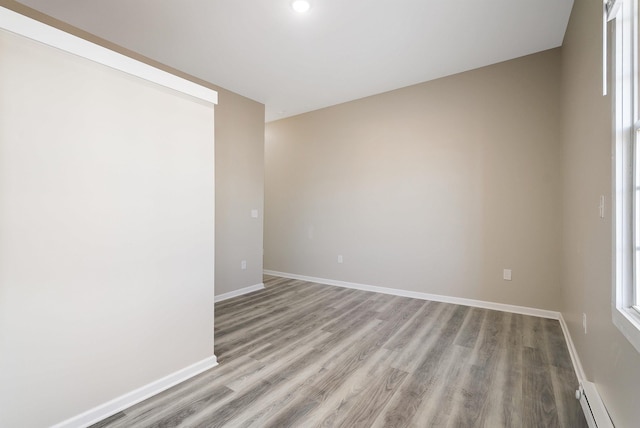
<point>608,358</point>
<point>239,189</point>
<point>433,188</point>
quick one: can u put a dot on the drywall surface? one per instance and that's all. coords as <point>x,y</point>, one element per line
<point>106,233</point>
<point>239,170</point>
<point>433,188</point>
<point>239,190</point>
<point>608,359</point>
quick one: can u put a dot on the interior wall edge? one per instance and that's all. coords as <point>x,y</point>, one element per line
<point>127,400</point>
<point>239,292</point>
<point>573,352</point>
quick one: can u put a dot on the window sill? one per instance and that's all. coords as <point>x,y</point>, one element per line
<point>628,322</point>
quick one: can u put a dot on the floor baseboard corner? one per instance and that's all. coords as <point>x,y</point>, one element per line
<point>239,292</point>
<point>542,313</point>
<point>129,399</point>
<point>573,353</point>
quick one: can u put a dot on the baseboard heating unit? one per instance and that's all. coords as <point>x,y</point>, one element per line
<point>594,411</point>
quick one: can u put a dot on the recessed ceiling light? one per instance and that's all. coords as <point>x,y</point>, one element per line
<point>301,6</point>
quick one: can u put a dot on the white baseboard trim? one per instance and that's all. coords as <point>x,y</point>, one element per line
<point>424,296</point>
<point>575,359</point>
<point>118,404</point>
<point>240,292</point>
<point>595,412</point>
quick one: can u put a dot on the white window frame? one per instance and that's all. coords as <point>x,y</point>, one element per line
<point>626,270</point>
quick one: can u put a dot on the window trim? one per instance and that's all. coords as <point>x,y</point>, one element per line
<point>625,107</point>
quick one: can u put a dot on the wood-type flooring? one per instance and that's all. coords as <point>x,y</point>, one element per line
<point>300,354</point>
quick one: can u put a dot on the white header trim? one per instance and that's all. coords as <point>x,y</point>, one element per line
<point>40,32</point>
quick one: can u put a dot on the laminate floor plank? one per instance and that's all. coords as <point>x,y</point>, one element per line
<point>471,328</point>
<point>283,367</point>
<point>481,404</point>
<point>410,396</point>
<point>512,369</point>
<point>236,318</point>
<point>406,334</point>
<point>569,414</point>
<point>533,334</point>
<point>443,396</point>
<point>299,374</point>
<point>555,344</point>
<point>399,319</point>
<point>300,354</point>
<point>283,310</point>
<point>336,373</point>
<point>266,412</point>
<point>273,410</point>
<point>275,320</point>
<point>178,414</point>
<point>348,304</point>
<point>139,414</point>
<point>254,302</point>
<point>426,337</point>
<point>109,421</point>
<point>540,409</point>
<point>272,384</point>
<point>336,406</point>
<point>388,302</point>
<point>234,343</point>
<point>374,398</point>
<point>248,330</point>
<point>359,320</point>
<point>398,304</point>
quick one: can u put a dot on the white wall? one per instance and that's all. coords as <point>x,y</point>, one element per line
<point>239,170</point>
<point>106,233</point>
<point>433,188</point>
<point>608,358</point>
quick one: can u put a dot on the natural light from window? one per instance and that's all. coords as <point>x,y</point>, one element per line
<point>626,293</point>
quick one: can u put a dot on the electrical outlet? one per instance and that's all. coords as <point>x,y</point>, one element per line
<point>506,274</point>
<point>584,322</point>
<point>254,213</point>
<point>340,260</point>
<point>243,264</point>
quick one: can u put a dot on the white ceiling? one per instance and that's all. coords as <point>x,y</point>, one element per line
<point>340,51</point>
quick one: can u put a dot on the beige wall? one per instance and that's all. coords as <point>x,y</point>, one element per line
<point>106,233</point>
<point>608,358</point>
<point>433,188</point>
<point>239,189</point>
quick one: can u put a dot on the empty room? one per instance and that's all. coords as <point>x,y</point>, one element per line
<point>322,213</point>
